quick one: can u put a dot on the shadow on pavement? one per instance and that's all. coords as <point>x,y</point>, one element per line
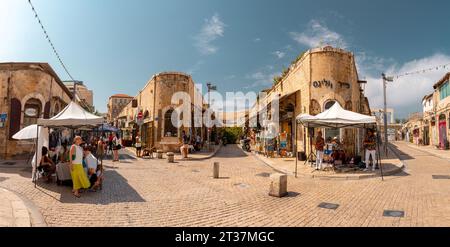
<point>401,154</point>
<point>231,151</point>
<point>115,190</point>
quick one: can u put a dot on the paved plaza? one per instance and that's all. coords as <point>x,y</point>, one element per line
<point>140,192</point>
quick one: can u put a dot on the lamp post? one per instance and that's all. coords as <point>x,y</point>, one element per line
<point>385,80</point>
<point>210,88</point>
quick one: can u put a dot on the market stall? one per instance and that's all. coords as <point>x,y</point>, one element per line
<point>72,117</point>
<point>335,117</point>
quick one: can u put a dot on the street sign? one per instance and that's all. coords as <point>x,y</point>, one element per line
<point>3,116</point>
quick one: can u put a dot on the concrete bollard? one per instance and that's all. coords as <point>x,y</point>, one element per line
<point>159,154</point>
<point>278,185</point>
<point>216,170</point>
<point>170,157</point>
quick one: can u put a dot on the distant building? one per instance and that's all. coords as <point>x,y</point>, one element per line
<point>28,91</point>
<point>154,101</point>
<point>115,104</point>
<point>86,96</point>
<point>379,113</point>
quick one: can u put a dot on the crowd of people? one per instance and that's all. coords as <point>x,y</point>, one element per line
<point>331,151</point>
<point>82,159</point>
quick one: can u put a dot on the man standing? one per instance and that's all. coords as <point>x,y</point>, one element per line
<point>320,143</point>
<point>370,146</point>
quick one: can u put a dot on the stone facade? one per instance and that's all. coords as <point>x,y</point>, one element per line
<point>320,76</point>
<point>115,105</point>
<point>86,96</point>
<point>28,91</point>
<point>155,103</point>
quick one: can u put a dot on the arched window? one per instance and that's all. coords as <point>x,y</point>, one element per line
<point>329,104</point>
<point>56,110</point>
<point>31,112</point>
<point>169,129</point>
<point>331,133</point>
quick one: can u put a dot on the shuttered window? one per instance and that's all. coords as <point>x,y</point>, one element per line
<point>15,115</point>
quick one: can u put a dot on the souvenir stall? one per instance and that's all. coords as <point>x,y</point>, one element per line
<point>73,117</point>
<point>338,118</point>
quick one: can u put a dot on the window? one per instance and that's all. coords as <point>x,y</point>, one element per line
<point>169,129</point>
<point>331,133</point>
<point>444,91</point>
<point>31,112</point>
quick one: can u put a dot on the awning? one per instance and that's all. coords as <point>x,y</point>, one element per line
<point>336,117</point>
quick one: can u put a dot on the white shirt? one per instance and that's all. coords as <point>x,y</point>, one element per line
<point>91,162</point>
<point>78,155</point>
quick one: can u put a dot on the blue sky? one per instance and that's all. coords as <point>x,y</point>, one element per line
<point>116,46</point>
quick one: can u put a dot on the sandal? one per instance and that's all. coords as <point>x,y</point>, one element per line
<point>76,195</point>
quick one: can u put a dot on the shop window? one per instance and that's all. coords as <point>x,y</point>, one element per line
<point>444,91</point>
<point>47,110</point>
<point>169,129</point>
<point>32,112</point>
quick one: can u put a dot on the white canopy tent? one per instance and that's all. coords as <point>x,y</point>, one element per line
<point>73,116</point>
<point>335,117</point>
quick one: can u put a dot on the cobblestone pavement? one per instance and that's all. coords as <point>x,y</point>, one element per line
<point>156,193</point>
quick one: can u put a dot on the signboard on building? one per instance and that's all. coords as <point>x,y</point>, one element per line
<point>3,117</point>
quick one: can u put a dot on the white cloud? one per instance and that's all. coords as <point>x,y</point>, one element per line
<point>211,30</point>
<point>405,94</point>
<point>257,40</point>
<point>279,54</point>
<point>318,34</point>
<point>263,77</point>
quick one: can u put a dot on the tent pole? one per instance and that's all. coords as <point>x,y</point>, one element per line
<point>295,147</point>
<point>36,157</point>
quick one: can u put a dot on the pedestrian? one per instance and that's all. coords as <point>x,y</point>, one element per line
<point>320,143</point>
<point>100,152</point>
<point>185,145</point>
<point>79,177</point>
<point>370,147</point>
<point>92,164</point>
<point>138,145</point>
<point>116,147</point>
<point>110,143</point>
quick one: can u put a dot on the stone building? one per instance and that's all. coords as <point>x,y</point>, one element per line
<point>312,84</point>
<point>115,104</point>
<point>154,102</point>
<point>28,91</point>
<point>441,111</point>
<point>86,96</point>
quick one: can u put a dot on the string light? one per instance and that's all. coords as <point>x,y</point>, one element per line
<point>444,66</point>
<point>49,40</point>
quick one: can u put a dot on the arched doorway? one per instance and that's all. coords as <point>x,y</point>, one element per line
<point>331,133</point>
<point>169,129</point>
<point>31,112</point>
<point>442,131</point>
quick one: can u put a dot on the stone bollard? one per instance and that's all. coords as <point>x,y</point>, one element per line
<point>170,157</point>
<point>159,154</point>
<point>216,170</point>
<point>278,185</point>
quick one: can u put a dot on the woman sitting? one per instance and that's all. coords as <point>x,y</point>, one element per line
<point>46,165</point>
<point>92,164</point>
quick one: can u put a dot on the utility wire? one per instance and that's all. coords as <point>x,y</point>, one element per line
<point>49,40</point>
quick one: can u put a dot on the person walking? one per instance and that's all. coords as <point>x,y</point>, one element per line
<point>100,152</point>
<point>116,147</point>
<point>138,145</point>
<point>370,147</point>
<point>184,148</point>
<point>79,177</point>
<point>320,143</point>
